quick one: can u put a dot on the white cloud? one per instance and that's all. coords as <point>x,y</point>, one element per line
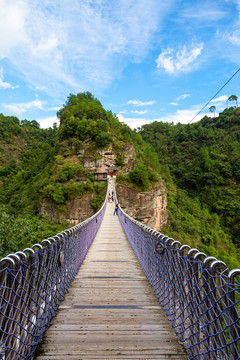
<point>140,103</point>
<point>61,48</point>
<point>133,122</point>
<point>5,85</point>
<point>56,108</point>
<point>19,109</point>
<point>220,98</point>
<point>39,87</point>
<point>46,45</point>
<point>203,12</point>
<point>220,102</point>
<point>174,62</point>
<point>182,97</point>
<point>180,116</point>
<point>234,38</point>
<point>48,121</point>
<point>12,25</point>
<point>139,112</point>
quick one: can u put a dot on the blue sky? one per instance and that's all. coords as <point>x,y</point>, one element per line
<point>145,60</point>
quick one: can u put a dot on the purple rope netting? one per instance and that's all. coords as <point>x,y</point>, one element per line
<point>199,296</point>
<point>33,283</point>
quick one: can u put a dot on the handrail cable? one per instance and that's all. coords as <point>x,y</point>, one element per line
<point>215,95</point>
<point>197,292</point>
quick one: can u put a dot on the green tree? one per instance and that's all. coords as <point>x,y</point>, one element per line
<point>233,98</point>
<point>139,176</point>
<point>103,139</point>
<point>17,233</point>
<point>213,109</point>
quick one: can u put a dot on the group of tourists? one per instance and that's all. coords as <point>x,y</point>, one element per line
<point>110,197</point>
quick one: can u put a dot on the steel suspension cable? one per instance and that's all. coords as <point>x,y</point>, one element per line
<point>215,95</point>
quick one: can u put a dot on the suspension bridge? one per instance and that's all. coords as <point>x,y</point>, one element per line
<point>112,288</point>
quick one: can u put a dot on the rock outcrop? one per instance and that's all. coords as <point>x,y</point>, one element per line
<point>102,160</point>
<point>129,158</point>
<point>149,207</point>
<point>75,211</point>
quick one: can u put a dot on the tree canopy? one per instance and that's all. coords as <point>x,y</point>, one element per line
<point>201,162</point>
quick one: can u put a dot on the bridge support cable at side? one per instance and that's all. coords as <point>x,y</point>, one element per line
<point>33,283</point>
<point>110,310</point>
<point>200,296</point>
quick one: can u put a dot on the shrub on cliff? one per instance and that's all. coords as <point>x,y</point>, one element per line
<point>103,139</point>
<point>140,177</point>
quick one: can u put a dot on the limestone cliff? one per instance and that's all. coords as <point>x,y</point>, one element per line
<point>148,207</point>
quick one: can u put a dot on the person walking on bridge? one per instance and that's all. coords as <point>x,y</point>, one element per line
<point>116,209</point>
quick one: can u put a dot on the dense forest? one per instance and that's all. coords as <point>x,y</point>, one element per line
<point>201,165</point>
<point>199,162</point>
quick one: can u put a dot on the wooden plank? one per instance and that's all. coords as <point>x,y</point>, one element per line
<point>110,310</point>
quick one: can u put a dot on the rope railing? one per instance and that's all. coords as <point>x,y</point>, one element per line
<point>198,293</point>
<point>34,281</point>
<point>200,296</point>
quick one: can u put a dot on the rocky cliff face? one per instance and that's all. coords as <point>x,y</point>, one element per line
<point>104,159</point>
<point>75,211</point>
<point>148,207</point>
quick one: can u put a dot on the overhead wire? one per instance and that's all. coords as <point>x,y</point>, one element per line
<point>215,95</point>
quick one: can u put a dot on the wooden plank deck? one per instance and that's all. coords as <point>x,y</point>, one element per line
<point>110,310</point>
